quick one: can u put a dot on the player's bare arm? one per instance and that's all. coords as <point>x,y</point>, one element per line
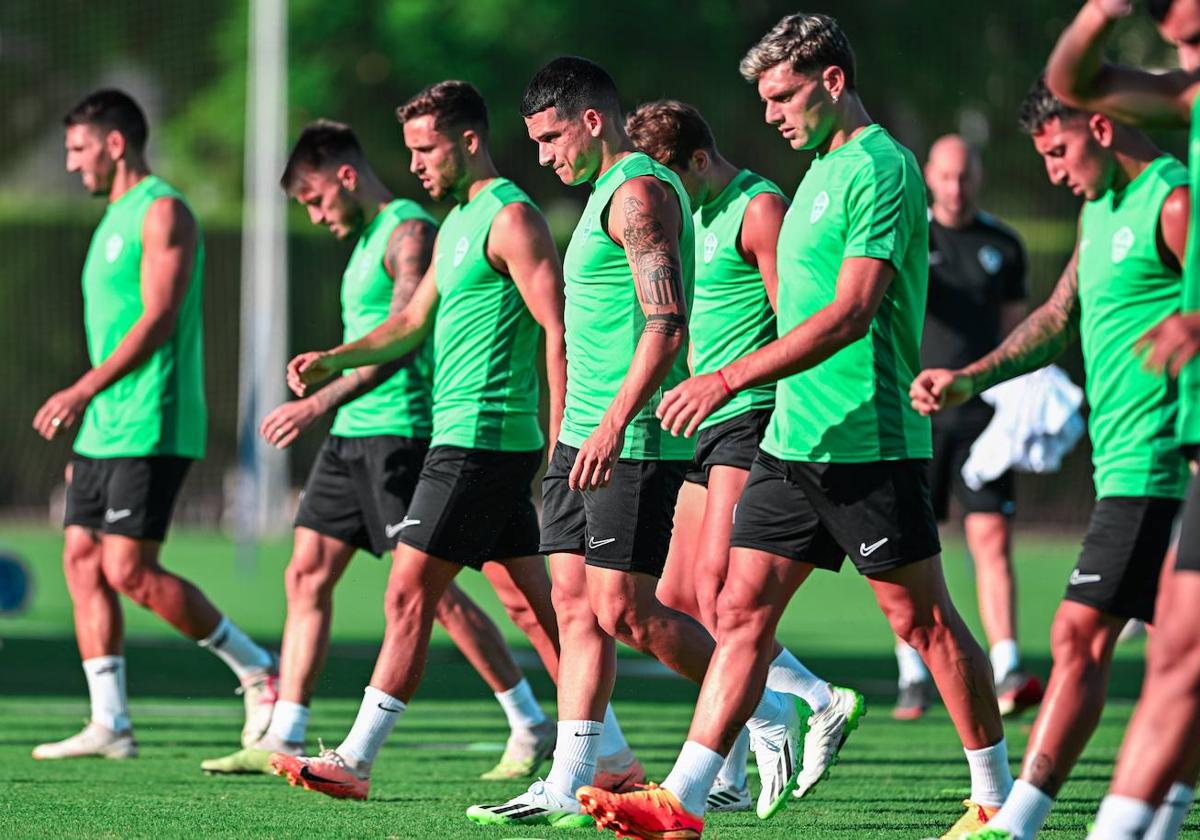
<point>645,219</point>
<point>1078,74</point>
<point>861,285</point>
<point>1034,343</point>
<point>395,338</point>
<point>760,234</point>
<point>169,237</point>
<point>1175,341</point>
<point>405,260</point>
<point>521,246</point>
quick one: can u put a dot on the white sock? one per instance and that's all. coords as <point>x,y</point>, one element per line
<point>1024,811</point>
<point>575,755</point>
<point>733,771</point>
<point>520,706</point>
<point>1121,818</point>
<point>376,717</point>
<point>1005,659</point>
<point>236,649</point>
<point>692,776</point>
<point>1169,816</point>
<point>769,712</point>
<point>786,673</point>
<point>912,669</point>
<point>612,739</point>
<point>106,688</point>
<point>991,778</point>
<point>289,722</point>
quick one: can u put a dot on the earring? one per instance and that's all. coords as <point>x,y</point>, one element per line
<point>835,99</point>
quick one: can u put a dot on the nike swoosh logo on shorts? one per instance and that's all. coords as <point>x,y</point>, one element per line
<point>393,530</point>
<point>111,515</point>
<point>595,543</point>
<point>867,550</point>
<point>1078,578</point>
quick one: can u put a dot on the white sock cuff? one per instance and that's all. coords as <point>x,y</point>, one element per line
<point>98,662</point>
<point>1005,658</point>
<point>289,721</point>
<point>612,739</point>
<point>1122,816</point>
<point>385,701</point>
<point>693,775</point>
<point>991,777</point>
<point>520,706</point>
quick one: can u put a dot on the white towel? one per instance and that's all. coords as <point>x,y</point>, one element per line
<point>1037,422</point>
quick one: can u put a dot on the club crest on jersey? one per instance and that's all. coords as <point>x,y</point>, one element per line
<point>820,205</point>
<point>710,247</point>
<point>460,250</point>
<point>112,248</point>
<point>991,259</point>
<point>1122,242</point>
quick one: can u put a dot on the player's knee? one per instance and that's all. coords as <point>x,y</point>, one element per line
<point>1076,645</point>
<point>1175,654</point>
<point>678,599</point>
<point>625,621</point>
<point>916,627</point>
<point>740,615</point>
<point>408,605</point>
<point>81,566</point>
<point>129,577</point>
<point>308,585</point>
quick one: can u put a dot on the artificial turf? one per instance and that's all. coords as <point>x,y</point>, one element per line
<point>902,780</point>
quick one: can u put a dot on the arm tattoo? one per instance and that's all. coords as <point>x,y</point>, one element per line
<point>1037,340</point>
<point>669,324</point>
<point>343,389</point>
<point>409,250</point>
<point>656,271</point>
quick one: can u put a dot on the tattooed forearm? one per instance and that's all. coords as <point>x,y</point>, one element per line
<point>341,390</point>
<point>668,324</point>
<point>1037,340</point>
<point>656,268</point>
<point>408,253</point>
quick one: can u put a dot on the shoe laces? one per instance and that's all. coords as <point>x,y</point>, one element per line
<point>332,756</point>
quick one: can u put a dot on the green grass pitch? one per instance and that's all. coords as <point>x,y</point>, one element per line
<point>895,780</point>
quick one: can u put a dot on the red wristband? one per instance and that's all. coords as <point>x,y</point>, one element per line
<point>724,383</point>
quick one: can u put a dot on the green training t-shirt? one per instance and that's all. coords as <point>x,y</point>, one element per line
<point>731,314</point>
<point>1124,290</point>
<point>158,408</point>
<point>485,381</point>
<point>1188,425</point>
<point>401,405</point>
<point>604,320</point>
<point>865,198</point>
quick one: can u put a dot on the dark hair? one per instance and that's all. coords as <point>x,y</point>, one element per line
<point>452,103</point>
<point>1158,9</point>
<point>112,110</point>
<point>811,42</point>
<point>669,131</point>
<point>570,85</point>
<point>1040,106</point>
<point>321,143</point>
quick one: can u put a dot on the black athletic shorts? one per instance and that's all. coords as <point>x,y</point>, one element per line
<point>951,447</point>
<point>624,526</point>
<point>474,505</point>
<point>130,497</point>
<point>730,443</point>
<point>1123,550</point>
<point>359,489</point>
<point>1188,558</point>
<point>877,512</point>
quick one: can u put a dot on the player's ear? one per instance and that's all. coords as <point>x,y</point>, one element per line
<point>833,79</point>
<point>347,176</point>
<point>593,122</point>
<point>1101,129</point>
<point>471,141</point>
<point>114,144</point>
